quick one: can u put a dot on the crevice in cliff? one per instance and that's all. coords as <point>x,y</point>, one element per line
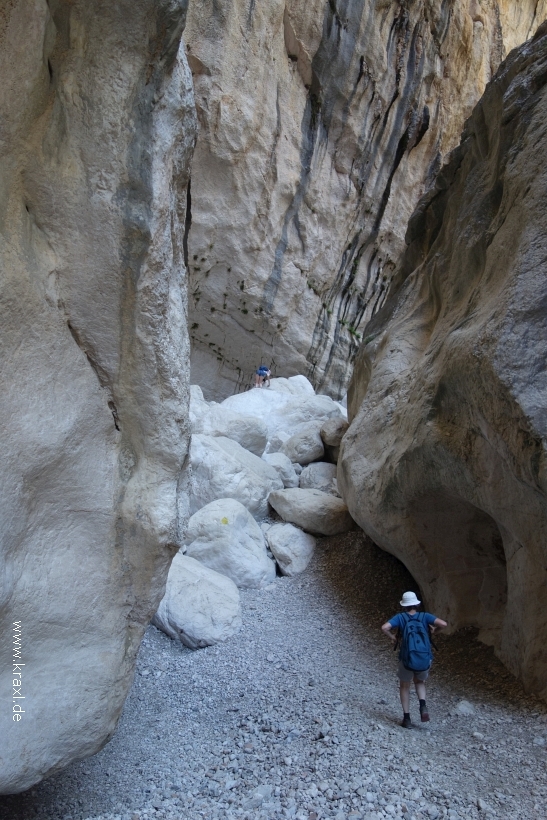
<point>99,371</point>
<point>187,222</point>
<point>250,13</point>
<point>102,376</point>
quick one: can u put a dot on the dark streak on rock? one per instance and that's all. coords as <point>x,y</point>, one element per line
<point>331,61</point>
<point>187,222</point>
<point>250,15</point>
<point>342,306</point>
<point>310,124</point>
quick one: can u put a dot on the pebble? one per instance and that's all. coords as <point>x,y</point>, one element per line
<point>237,731</point>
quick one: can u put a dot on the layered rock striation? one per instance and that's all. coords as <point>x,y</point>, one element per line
<point>320,124</point>
<point>96,134</point>
<point>444,463</point>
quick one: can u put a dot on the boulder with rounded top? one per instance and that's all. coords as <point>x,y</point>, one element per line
<point>291,548</point>
<point>312,510</point>
<point>224,536</point>
<point>200,607</point>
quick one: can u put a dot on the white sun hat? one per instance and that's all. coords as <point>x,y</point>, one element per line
<point>409,599</point>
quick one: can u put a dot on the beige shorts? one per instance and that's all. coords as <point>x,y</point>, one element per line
<point>407,675</point>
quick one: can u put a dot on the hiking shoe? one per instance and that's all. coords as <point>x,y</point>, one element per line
<point>424,714</point>
<point>407,723</point>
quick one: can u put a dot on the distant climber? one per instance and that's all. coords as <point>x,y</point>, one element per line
<point>262,376</point>
<point>415,656</point>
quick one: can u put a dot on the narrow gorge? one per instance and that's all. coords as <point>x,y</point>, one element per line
<point>195,564</point>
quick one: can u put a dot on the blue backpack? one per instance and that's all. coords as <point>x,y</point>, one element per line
<point>415,652</point>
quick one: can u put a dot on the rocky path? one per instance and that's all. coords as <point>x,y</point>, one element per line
<point>297,717</point>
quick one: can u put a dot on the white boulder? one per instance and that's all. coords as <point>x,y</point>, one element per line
<point>296,385</point>
<point>277,440</point>
<point>291,548</point>
<point>222,468</point>
<point>284,467</point>
<point>313,510</point>
<point>200,607</point>
<point>305,446</point>
<point>319,476</point>
<point>225,537</point>
<point>282,411</point>
<point>211,419</point>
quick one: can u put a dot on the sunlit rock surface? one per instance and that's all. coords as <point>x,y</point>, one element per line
<point>96,132</point>
<point>320,124</point>
<point>444,462</point>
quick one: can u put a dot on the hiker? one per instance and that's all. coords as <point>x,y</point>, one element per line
<point>415,656</point>
<point>262,376</point>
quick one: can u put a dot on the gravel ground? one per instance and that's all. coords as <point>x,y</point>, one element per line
<point>297,717</point>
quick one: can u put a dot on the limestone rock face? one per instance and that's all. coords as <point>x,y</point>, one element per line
<point>321,121</point>
<point>97,129</point>
<point>200,607</point>
<point>444,462</point>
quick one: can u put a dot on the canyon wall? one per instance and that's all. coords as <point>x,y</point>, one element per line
<point>96,134</point>
<point>444,464</point>
<point>320,125</point>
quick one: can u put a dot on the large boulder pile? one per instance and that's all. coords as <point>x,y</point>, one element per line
<point>237,482</point>
<point>444,463</point>
<point>98,126</point>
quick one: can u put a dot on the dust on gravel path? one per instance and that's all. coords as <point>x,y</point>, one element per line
<point>297,716</point>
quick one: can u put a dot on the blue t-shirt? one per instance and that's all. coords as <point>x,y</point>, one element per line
<point>398,622</point>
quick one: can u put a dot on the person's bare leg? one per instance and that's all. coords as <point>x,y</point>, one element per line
<point>404,691</point>
<point>420,689</point>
